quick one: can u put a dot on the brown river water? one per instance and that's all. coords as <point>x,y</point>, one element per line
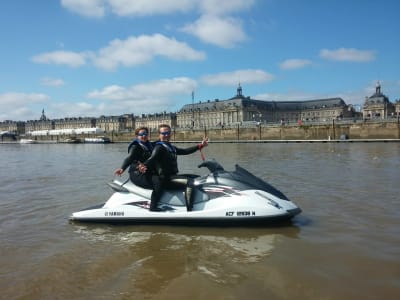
<point>344,245</point>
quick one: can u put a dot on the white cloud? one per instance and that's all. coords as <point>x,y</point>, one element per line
<point>223,32</point>
<point>78,109</point>
<point>215,25</point>
<point>242,76</point>
<point>348,54</point>
<point>19,99</point>
<point>99,8</point>
<point>140,50</point>
<point>16,106</point>
<point>88,8</point>
<point>128,53</point>
<point>291,64</point>
<point>156,90</point>
<point>151,97</point>
<point>52,81</point>
<point>68,58</point>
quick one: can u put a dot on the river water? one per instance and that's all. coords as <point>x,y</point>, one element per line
<point>344,245</point>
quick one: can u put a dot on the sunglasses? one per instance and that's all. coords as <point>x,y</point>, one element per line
<point>165,133</point>
<point>143,133</point>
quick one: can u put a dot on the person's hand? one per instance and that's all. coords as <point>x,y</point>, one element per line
<point>118,172</point>
<point>142,168</point>
<point>204,143</point>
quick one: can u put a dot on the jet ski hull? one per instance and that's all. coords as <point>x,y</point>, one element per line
<point>235,211</point>
<point>220,198</point>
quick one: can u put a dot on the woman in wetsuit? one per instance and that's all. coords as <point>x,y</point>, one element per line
<point>139,151</point>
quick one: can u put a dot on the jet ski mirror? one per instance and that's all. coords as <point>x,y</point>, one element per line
<point>211,165</point>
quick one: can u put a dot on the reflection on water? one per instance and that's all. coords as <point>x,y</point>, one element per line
<point>162,255</point>
<point>344,245</point>
<point>246,245</point>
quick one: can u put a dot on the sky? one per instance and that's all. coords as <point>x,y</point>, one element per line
<point>88,58</point>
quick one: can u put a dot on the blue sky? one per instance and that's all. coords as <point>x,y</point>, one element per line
<point>80,58</point>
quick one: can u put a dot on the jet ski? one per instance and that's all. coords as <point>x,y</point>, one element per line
<point>220,197</point>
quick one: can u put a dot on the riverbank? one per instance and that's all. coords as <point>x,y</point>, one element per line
<point>378,131</point>
<point>245,141</point>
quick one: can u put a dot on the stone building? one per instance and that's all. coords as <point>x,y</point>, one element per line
<point>378,105</point>
<point>244,110</point>
<point>152,121</point>
<point>73,123</point>
<point>43,123</point>
<point>397,108</point>
<point>115,123</point>
<point>15,127</point>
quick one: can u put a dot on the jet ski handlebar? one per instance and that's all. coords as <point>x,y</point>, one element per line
<point>211,165</point>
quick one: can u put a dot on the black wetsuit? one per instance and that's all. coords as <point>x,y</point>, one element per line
<point>163,162</point>
<point>138,152</point>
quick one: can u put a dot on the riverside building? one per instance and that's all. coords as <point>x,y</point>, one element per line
<point>378,106</point>
<point>242,110</point>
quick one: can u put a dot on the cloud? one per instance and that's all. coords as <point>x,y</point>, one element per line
<point>88,8</point>
<point>18,99</point>
<point>291,64</point>
<point>223,32</point>
<point>99,8</point>
<point>215,25</point>
<point>52,81</point>
<point>16,106</point>
<point>159,89</point>
<point>152,97</point>
<point>142,49</point>
<point>83,109</point>
<point>128,53</point>
<point>348,54</point>
<point>233,78</point>
<point>69,58</point>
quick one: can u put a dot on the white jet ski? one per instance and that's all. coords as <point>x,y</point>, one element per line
<point>221,197</point>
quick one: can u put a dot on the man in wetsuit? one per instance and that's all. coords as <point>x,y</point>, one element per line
<point>163,162</point>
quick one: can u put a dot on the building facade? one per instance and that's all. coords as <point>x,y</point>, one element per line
<point>74,123</point>
<point>152,121</point>
<point>15,127</point>
<point>378,105</point>
<point>244,110</point>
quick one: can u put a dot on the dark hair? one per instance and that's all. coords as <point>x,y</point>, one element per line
<point>139,129</point>
<point>164,126</point>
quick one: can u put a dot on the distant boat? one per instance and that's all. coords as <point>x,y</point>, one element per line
<point>72,140</point>
<point>27,141</point>
<point>98,140</point>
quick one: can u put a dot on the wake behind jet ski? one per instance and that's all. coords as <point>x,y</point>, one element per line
<point>221,197</point>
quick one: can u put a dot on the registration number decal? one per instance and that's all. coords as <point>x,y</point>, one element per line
<point>246,213</point>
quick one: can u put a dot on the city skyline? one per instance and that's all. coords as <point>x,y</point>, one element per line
<point>85,58</point>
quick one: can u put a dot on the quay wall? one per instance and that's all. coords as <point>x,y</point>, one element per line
<point>333,131</point>
<point>379,130</point>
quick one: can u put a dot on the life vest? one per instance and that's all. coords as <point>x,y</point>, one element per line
<point>170,148</point>
<point>148,147</point>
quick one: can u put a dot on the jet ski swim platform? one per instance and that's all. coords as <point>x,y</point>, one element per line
<point>219,198</point>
